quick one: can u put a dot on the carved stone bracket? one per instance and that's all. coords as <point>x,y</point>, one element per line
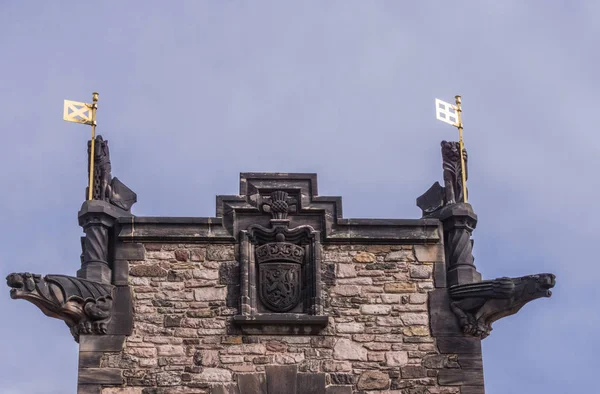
<point>459,221</point>
<point>85,306</point>
<point>97,218</point>
<point>478,305</point>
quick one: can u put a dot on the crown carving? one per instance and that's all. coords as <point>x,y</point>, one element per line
<point>280,251</point>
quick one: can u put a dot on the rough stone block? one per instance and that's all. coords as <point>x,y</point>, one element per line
<point>148,270</point>
<point>210,294</point>
<point>396,359</point>
<point>379,310</point>
<point>401,255</point>
<point>214,375</point>
<point>373,380</point>
<point>399,287</point>
<point>364,257</point>
<point>345,349</point>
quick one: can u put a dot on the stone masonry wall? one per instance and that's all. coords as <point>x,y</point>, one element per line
<point>377,341</point>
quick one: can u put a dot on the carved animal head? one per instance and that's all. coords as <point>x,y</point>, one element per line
<point>535,286</point>
<point>450,150</point>
<point>22,283</point>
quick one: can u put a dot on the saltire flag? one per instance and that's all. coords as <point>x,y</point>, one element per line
<point>77,112</point>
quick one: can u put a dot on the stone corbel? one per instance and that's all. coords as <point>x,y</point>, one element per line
<point>478,305</point>
<point>85,306</point>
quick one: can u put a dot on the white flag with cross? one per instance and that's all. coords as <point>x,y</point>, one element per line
<point>446,112</point>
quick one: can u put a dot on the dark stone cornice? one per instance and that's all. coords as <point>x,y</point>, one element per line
<point>236,213</point>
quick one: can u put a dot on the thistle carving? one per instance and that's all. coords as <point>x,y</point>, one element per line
<point>280,205</point>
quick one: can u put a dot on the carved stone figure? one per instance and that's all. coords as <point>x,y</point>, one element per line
<point>478,305</point>
<point>453,171</point>
<point>102,169</point>
<point>85,306</point>
<point>107,188</point>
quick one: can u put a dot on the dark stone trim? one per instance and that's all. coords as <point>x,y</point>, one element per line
<point>111,376</point>
<point>104,343</point>
<point>130,251</point>
<point>173,229</point>
<point>89,389</point>
<point>284,324</point>
<point>457,345</point>
<point>210,230</point>
<point>90,359</point>
<point>460,377</point>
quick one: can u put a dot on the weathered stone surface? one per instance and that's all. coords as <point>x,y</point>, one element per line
<point>399,287</point>
<point>364,257</point>
<point>336,366</point>
<point>210,294</point>
<point>182,255</point>
<point>373,380</point>
<point>375,309</point>
<point>413,372</point>
<point>396,359</point>
<point>214,375</point>
<point>439,361</point>
<point>345,271</point>
<point>415,319</point>
<point>345,349</point>
<point>206,358</point>
<point>276,346</point>
<point>429,253</point>
<point>421,271</point>
<point>149,270</point>
<point>348,290</point>
<point>350,328</point>
<point>401,255</point>
<point>416,331</point>
<point>219,253</point>
<point>171,350</point>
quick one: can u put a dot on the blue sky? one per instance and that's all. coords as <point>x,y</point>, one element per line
<point>193,93</point>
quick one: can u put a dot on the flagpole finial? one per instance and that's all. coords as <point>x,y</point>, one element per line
<point>95,97</point>
<point>458,99</point>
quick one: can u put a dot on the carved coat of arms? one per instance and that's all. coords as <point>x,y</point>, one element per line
<point>279,271</point>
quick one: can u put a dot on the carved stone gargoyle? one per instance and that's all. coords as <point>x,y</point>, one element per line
<point>478,305</point>
<point>85,302</point>
<point>85,306</point>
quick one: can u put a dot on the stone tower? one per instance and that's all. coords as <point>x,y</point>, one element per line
<point>278,293</point>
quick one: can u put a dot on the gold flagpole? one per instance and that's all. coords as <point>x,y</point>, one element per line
<point>94,108</point>
<point>461,146</point>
